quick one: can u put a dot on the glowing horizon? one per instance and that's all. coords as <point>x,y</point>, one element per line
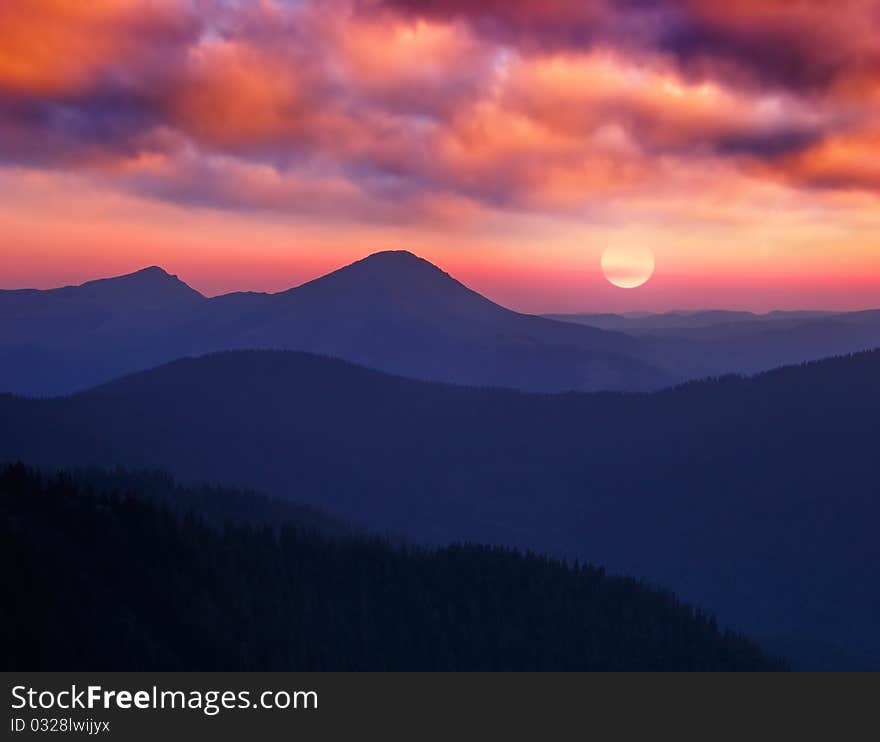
<point>256,145</point>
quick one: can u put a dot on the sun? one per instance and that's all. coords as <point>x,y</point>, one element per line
<point>628,267</point>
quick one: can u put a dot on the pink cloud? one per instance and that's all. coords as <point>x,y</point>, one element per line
<point>437,109</point>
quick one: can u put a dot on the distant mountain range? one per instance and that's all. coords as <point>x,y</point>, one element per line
<point>680,320</point>
<point>755,498</point>
<point>691,345</point>
<point>395,312</point>
<point>391,311</point>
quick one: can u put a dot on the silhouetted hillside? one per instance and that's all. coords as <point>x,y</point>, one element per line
<point>391,311</point>
<point>757,498</point>
<point>114,582</point>
<point>216,505</point>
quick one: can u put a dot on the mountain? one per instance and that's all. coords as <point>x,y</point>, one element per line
<point>754,497</point>
<point>646,321</point>
<point>398,313</point>
<point>56,314</point>
<point>693,345</point>
<point>277,596</point>
<point>391,311</point>
<point>213,505</point>
<point>67,338</point>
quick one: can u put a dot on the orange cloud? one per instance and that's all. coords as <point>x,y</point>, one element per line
<point>850,161</point>
<point>411,65</point>
<point>234,94</point>
<point>578,93</point>
<point>406,110</point>
<point>57,47</point>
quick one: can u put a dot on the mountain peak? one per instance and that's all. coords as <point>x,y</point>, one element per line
<point>152,273</point>
<point>152,270</point>
<point>395,255</point>
<point>388,273</point>
<point>148,286</point>
<point>396,259</point>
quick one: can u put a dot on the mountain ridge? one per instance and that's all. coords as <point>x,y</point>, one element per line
<point>152,278</point>
<point>391,310</point>
<point>357,601</point>
<point>651,484</point>
<point>398,313</point>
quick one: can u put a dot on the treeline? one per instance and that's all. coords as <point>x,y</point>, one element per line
<point>101,578</point>
<point>215,505</point>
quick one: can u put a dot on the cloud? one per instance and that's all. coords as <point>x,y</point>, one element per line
<point>793,44</point>
<point>847,161</point>
<point>807,45</point>
<point>59,48</point>
<point>403,109</point>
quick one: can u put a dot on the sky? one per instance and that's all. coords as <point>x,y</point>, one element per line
<point>256,144</point>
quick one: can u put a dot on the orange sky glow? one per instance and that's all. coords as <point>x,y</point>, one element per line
<point>260,143</point>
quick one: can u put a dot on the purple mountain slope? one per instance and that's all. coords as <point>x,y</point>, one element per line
<point>392,311</point>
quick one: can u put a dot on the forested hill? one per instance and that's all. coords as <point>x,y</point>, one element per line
<point>754,498</point>
<point>216,505</point>
<point>110,581</point>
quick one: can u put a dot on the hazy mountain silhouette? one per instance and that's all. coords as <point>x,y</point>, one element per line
<point>698,344</point>
<point>756,498</point>
<point>33,314</point>
<point>397,313</point>
<point>62,339</point>
<point>636,322</point>
<point>391,311</point>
